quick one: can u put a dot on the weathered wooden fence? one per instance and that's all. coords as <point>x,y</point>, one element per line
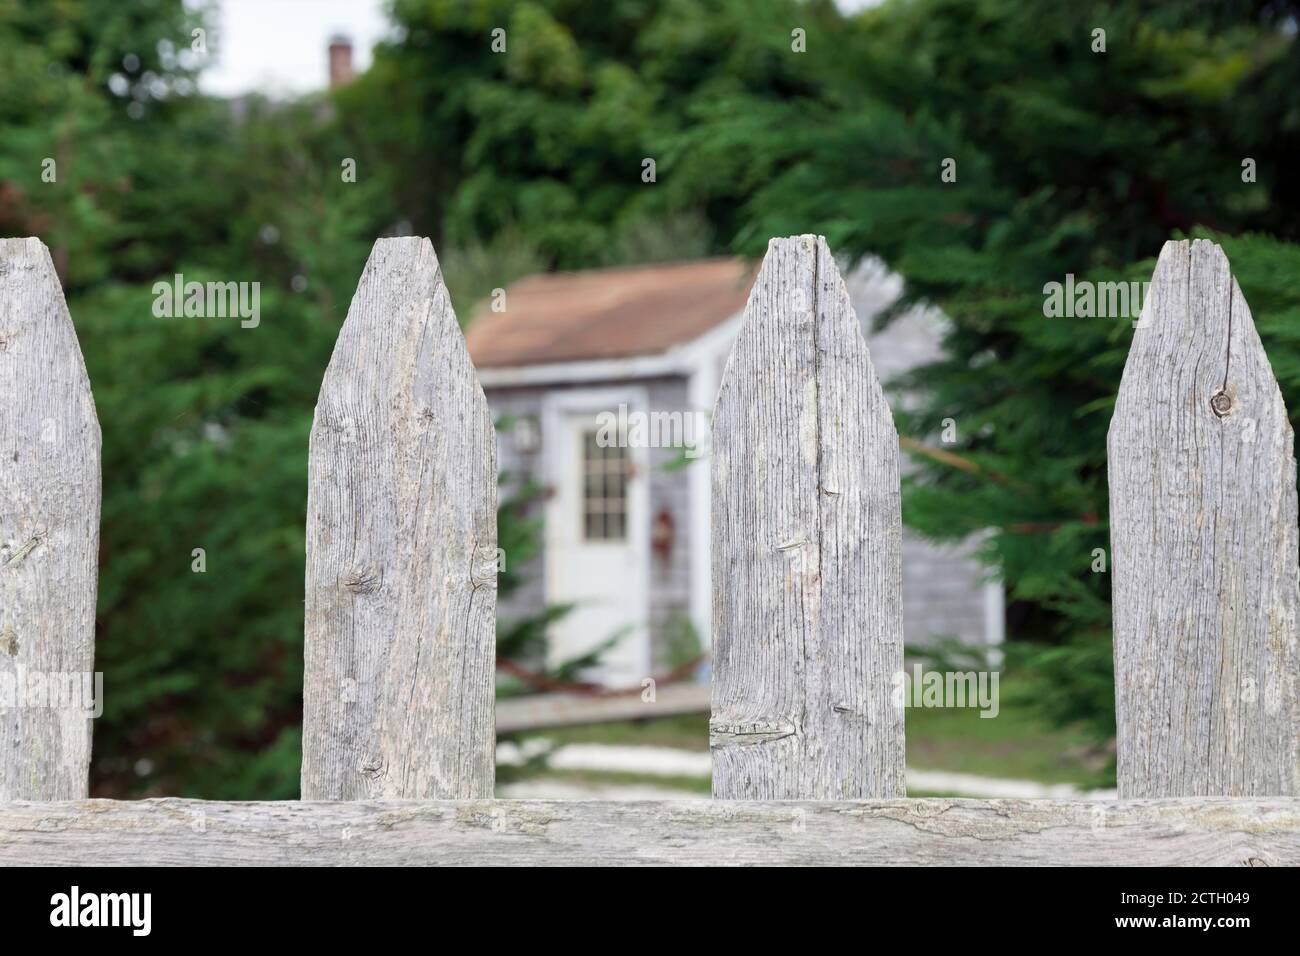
<point>807,729</point>
<point>1204,539</point>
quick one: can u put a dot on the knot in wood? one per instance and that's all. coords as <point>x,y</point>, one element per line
<point>366,580</point>
<point>1221,403</point>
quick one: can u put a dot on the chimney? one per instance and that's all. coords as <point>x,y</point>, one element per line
<point>340,60</point>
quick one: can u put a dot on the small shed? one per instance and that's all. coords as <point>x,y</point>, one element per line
<point>604,380</point>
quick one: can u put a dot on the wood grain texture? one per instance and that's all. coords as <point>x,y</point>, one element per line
<point>401,549</point>
<point>1204,534</point>
<point>931,832</point>
<point>807,573</point>
<point>49,533</point>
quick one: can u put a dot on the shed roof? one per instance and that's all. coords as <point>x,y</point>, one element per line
<point>608,313</point>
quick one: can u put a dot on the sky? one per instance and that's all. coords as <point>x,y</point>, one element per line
<point>279,47</point>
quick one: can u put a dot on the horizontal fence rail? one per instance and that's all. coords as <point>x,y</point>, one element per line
<point>807,731</point>
<point>917,832</point>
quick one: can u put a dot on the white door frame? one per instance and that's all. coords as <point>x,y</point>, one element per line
<point>557,406</point>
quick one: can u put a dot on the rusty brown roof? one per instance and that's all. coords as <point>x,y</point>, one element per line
<point>608,313</point>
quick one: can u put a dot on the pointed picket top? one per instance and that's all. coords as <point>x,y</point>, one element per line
<point>49,535</point>
<point>401,549</point>
<point>807,571</point>
<point>1204,534</point>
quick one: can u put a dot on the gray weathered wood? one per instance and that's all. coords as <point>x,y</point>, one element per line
<point>1204,534</point>
<point>49,534</point>
<point>537,711</point>
<point>807,573</point>
<point>401,549</point>
<point>931,832</point>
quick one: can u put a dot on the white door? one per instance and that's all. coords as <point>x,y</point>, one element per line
<point>597,532</point>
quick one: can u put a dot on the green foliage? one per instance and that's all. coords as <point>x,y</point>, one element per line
<point>205,423</point>
<point>548,139</point>
<point>59,66</point>
<point>205,431</point>
<point>1068,161</point>
<point>682,644</point>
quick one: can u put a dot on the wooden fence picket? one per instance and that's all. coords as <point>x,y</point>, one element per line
<point>49,534</point>
<point>807,568</point>
<point>807,723</point>
<point>401,549</point>
<point>1203,530</point>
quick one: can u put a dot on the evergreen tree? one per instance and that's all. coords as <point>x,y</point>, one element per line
<point>548,138</point>
<point>1067,160</point>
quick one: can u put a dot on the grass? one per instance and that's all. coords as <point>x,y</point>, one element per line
<point>1016,744</point>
